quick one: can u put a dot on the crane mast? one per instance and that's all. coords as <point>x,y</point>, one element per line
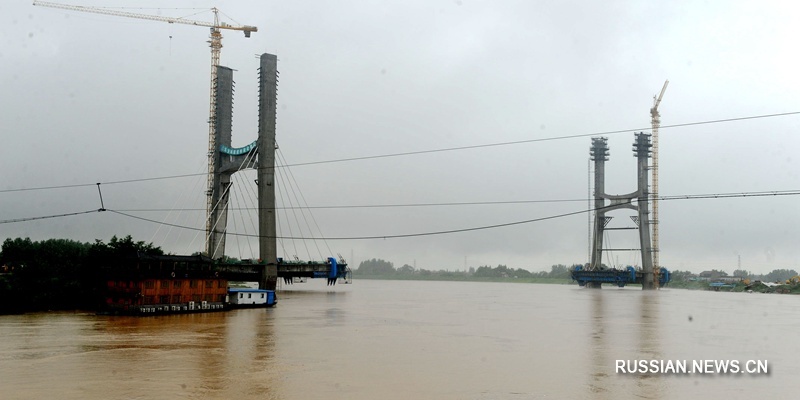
<point>215,42</point>
<point>656,123</point>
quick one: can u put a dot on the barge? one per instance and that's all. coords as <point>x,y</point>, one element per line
<point>153,284</point>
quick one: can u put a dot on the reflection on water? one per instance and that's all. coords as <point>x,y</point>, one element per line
<point>401,340</point>
<point>649,385</point>
<point>640,334</point>
<point>600,361</point>
<point>214,355</point>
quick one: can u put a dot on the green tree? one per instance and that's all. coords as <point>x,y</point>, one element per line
<point>127,245</point>
<point>501,271</point>
<point>51,274</point>
<point>779,275</point>
<point>559,271</point>
<point>522,273</point>
<point>485,271</point>
<point>376,267</point>
<point>59,273</point>
<point>405,270</point>
<point>741,273</point>
<point>680,276</point>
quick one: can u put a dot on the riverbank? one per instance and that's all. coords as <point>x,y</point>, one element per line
<point>555,281</point>
<point>757,287</point>
<point>688,285</point>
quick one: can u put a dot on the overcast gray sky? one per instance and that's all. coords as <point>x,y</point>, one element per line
<point>89,98</point>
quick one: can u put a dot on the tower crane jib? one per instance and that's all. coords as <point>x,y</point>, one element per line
<point>105,11</point>
<point>215,43</point>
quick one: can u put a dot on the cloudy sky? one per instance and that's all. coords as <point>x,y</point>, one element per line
<point>90,98</point>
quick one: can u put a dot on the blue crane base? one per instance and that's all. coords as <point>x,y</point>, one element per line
<point>619,277</point>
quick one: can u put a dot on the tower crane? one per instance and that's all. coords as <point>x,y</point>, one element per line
<point>215,44</point>
<point>656,121</point>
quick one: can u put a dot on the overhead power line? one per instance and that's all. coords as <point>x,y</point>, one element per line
<point>582,135</point>
<point>9,221</point>
<point>772,193</point>
<point>346,206</point>
<point>369,237</point>
<point>484,227</point>
<point>731,195</point>
<point>474,203</point>
<point>98,183</point>
<point>419,152</point>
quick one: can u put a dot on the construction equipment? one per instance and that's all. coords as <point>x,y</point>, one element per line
<point>215,44</point>
<point>619,277</point>
<point>656,121</point>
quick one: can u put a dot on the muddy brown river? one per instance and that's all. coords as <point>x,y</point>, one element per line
<point>416,340</point>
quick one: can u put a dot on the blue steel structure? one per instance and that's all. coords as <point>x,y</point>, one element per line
<point>619,277</point>
<point>252,270</point>
<point>331,269</point>
<point>237,151</point>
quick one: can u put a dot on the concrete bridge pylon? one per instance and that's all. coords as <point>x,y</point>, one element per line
<point>259,155</point>
<point>599,155</point>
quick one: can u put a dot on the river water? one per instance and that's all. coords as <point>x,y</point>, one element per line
<point>413,340</point>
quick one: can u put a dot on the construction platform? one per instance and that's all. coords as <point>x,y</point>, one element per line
<point>331,269</point>
<point>619,277</point>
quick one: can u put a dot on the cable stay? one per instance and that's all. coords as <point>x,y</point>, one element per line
<point>299,233</point>
<point>295,211</point>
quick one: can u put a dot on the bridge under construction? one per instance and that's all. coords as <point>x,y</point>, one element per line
<point>226,160</point>
<point>596,273</point>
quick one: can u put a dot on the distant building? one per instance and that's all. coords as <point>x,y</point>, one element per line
<point>711,275</point>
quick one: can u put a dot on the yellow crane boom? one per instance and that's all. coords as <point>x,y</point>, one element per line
<point>215,44</point>
<point>105,11</point>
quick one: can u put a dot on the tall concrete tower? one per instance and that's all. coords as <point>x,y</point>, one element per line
<point>259,155</point>
<point>224,165</point>
<point>642,149</point>
<point>599,153</point>
<point>267,119</point>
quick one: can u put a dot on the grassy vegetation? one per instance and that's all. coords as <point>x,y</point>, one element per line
<point>691,285</point>
<point>385,270</point>
<point>683,284</point>
<point>789,288</point>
